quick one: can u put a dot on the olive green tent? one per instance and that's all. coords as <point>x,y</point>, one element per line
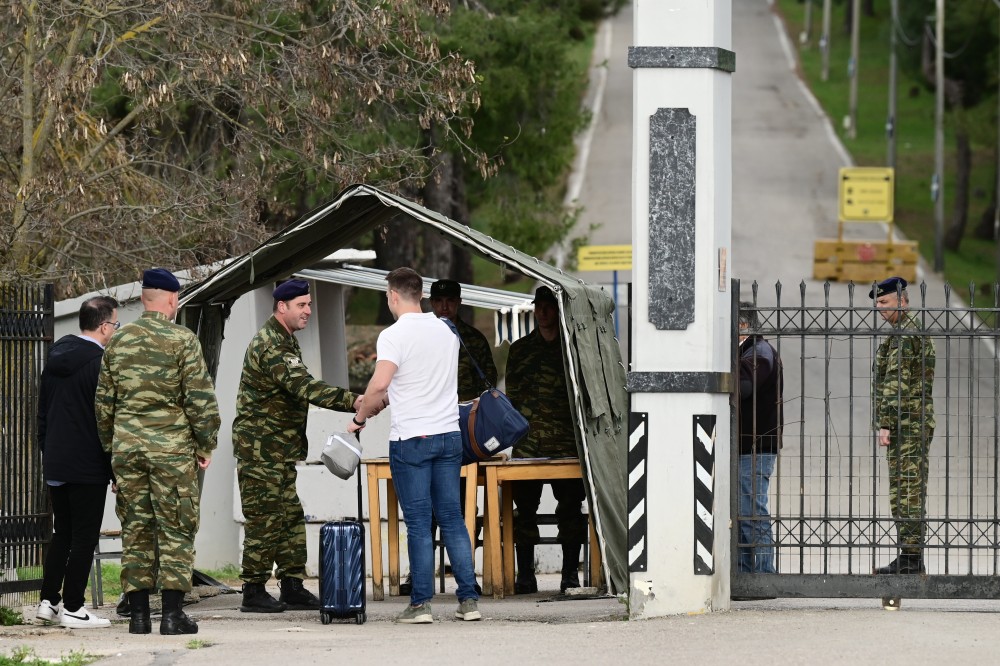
<point>592,354</point>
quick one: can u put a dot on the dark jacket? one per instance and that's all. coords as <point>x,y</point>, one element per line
<point>67,425</point>
<point>761,417</point>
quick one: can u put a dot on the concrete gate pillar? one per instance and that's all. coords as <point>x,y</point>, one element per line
<point>679,476</point>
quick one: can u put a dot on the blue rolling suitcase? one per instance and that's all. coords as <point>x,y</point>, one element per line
<point>342,585</point>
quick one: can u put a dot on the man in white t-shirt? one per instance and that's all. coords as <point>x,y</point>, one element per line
<point>417,367</point>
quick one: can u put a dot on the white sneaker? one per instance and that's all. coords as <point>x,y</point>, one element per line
<point>47,612</point>
<point>81,619</point>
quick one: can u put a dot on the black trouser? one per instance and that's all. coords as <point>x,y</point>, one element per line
<point>77,513</point>
<point>569,494</point>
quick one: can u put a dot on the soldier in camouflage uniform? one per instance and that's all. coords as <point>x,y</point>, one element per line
<point>902,383</point>
<point>157,415</point>
<point>536,385</point>
<point>269,437</point>
<point>446,299</point>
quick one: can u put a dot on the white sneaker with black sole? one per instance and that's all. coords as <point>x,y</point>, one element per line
<point>81,619</point>
<point>47,612</point>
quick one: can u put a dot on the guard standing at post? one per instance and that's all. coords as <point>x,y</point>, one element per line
<point>903,414</point>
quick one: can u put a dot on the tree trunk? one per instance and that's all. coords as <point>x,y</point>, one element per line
<point>963,164</point>
<point>985,230</point>
<point>395,246</point>
<point>868,8</point>
<point>437,196</point>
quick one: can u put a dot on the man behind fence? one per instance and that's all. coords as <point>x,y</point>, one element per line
<point>760,441</point>
<point>903,413</point>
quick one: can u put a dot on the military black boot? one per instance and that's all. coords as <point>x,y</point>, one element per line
<point>297,597</point>
<point>570,567</point>
<point>906,563</point>
<point>257,600</point>
<point>123,609</point>
<point>174,621</point>
<point>525,583</point>
<point>139,622</point>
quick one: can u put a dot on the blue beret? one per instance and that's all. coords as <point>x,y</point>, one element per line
<point>290,289</point>
<point>160,278</point>
<point>887,286</point>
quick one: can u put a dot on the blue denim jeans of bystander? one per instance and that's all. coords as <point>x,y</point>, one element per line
<point>756,544</point>
<point>425,473</point>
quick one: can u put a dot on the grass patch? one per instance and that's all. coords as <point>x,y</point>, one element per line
<point>198,643</point>
<point>10,617</point>
<point>25,656</point>
<point>914,210</point>
<point>111,577</point>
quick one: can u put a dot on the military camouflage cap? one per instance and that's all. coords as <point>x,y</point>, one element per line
<point>887,286</point>
<point>290,289</point>
<point>445,289</point>
<point>160,278</point>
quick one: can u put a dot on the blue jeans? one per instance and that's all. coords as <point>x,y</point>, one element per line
<point>426,472</point>
<point>756,543</point>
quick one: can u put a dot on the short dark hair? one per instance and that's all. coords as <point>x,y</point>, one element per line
<point>407,282</point>
<point>748,314</point>
<point>96,311</point>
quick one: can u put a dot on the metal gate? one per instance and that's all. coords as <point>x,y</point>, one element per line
<point>829,493</point>
<point>26,331</point>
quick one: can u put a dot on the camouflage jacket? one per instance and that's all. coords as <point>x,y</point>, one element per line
<point>470,384</point>
<point>154,392</point>
<point>536,384</point>
<point>903,379</point>
<point>274,396</point>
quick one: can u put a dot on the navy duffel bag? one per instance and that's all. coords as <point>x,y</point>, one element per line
<point>489,425</point>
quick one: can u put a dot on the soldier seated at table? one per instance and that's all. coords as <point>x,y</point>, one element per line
<point>536,384</point>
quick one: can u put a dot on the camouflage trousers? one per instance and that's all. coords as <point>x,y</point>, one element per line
<point>906,457</point>
<point>274,531</point>
<point>569,494</point>
<point>158,505</point>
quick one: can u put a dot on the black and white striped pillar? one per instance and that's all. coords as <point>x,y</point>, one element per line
<point>637,449</point>
<point>704,494</point>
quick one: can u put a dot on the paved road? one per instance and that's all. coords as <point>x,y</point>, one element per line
<point>532,630</point>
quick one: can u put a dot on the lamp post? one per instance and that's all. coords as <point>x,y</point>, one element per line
<point>890,121</point>
<point>824,41</point>
<point>852,109</point>
<point>937,182</point>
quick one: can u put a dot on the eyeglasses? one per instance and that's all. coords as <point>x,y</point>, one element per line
<point>114,324</point>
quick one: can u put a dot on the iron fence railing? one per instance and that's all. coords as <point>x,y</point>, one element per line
<point>26,331</point>
<point>829,494</point>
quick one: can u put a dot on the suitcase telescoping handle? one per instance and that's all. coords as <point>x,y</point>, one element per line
<point>361,516</point>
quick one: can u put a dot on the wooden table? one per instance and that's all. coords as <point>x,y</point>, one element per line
<point>498,476</point>
<point>378,468</point>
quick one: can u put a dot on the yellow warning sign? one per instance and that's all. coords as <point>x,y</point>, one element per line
<point>604,258</point>
<point>866,194</point>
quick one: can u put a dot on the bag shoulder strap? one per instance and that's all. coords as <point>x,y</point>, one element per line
<point>454,329</point>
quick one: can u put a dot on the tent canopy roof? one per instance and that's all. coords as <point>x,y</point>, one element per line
<point>593,358</point>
